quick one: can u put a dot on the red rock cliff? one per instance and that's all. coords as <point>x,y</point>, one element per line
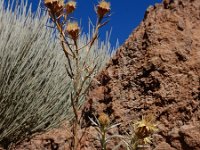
<point>157,71</point>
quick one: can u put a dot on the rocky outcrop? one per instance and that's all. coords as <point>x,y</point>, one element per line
<point>156,71</point>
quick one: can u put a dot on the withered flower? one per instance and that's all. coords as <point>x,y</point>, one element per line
<point>70,7</point>
<point>73,30</point>
<point>103,8</point>
<point>145,127</point>
<point>55,7</point>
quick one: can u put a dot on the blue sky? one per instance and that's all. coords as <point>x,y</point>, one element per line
<point>126,16</point>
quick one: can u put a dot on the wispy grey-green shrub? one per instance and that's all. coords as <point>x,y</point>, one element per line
<point>34,87</point>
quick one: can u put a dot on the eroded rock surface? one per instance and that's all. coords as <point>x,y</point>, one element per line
<point>157,71</point>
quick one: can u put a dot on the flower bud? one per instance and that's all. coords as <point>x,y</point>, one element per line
<point>104,119</point>
<point>103,8</point>
<point>73,30</point>
<point>70,7</point>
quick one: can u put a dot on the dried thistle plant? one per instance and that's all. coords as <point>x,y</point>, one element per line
<point>142,132</point>
<point>103,8</point>
<point>79,69</point>
<point>102,126</point>
<point>70,7</point>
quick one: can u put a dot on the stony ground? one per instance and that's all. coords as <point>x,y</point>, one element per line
<point>156,71</point>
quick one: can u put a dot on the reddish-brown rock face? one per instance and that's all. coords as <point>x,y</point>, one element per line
<point>156,71</point>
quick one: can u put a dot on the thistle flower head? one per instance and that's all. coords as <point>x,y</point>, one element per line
<point>145,127</point>
<point>103,8</point>
<point>70,6</point>
<point>73,30</point>
<point>104,119</point>
<point>55,7</point>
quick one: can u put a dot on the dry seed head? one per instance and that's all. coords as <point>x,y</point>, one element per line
<point>70,7</point>
<point>145,127</point>
<point>104,119</point>
<point>49,3</point>
<point>73,30</point>
<point>53,3</point>
<point>103,8</point>
<point>55,7</point>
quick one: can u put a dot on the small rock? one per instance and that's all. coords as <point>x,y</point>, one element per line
<point>191,136</point>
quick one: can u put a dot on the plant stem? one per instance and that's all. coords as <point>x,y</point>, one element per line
<point>103,140</point>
